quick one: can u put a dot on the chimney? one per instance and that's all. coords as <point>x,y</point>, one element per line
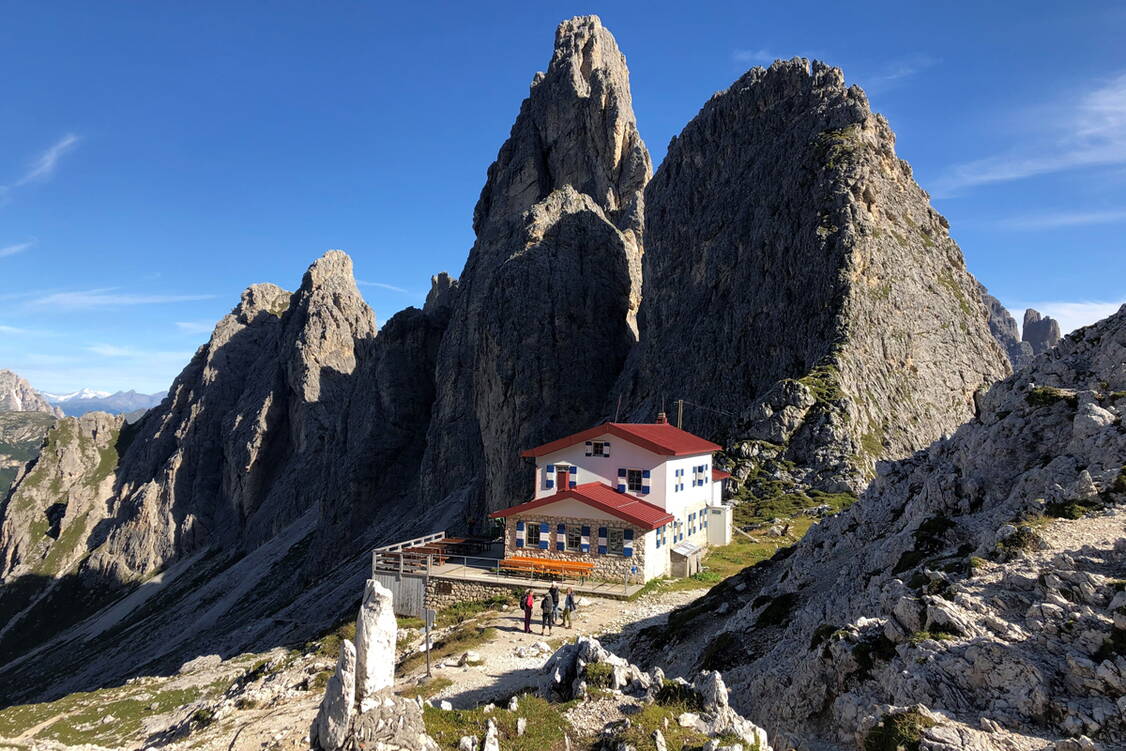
<point>662,418</point>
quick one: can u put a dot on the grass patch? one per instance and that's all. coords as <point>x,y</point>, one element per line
<point>1021,541</point>
<point>1074,509</point>
<point>461,639</point>
<point>1045,396</point>
<point>598,674</point>
<point>428,688</point>
<point>460,612</point>
<point>921,636</point>
<point>823,381</point>
<point>546,725</point>
<point>329,645</point>
<point>409,621</point>
<point>898,732</point>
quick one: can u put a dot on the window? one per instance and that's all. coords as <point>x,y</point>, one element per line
<point>531,534</point>
<point>574,538</point>
<point>600,448</point>
<point>615,541</point>
<point>633,480</point>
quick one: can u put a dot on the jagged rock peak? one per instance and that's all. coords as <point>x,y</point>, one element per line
<point>1005,330</point>
<point>782,212</point>
<point>1041,332</point>
<point>575,128</point>
<point>334,268</point>
<point>442,289</point>
<point>557,259</point>
<point>17,395</point>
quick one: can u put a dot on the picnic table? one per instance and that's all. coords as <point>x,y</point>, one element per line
<point>546,566</point>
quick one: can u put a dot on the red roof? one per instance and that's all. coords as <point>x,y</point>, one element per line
<point>603,497</point>
<point>719,474</point>
<point>658,437</point>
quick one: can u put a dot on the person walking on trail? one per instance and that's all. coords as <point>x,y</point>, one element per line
<point>547,608</point>
<point>568,606</point>
<point>528,602</point>
<point>554,592</point>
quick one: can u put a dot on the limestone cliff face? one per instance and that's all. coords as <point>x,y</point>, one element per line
<point>544,312</point>
<point>21,437</point>
<point>980,577</point>
<point>17,395</point>
<point>60,497</point>
<point>1041,333</point>
<point>799,286</point>
<point>1005,330</point>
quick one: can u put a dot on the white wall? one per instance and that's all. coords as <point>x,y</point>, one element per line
<point>656,558</point>
<point>626,454</point>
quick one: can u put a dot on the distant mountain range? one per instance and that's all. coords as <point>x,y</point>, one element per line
<point>87,400</point>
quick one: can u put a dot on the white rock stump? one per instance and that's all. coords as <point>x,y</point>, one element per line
<point>376,630</point>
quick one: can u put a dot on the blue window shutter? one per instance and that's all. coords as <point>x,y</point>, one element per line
<point>644,490</point>
<point>520,525</point>
<point>586,531</point>
<point>544,528</point>
<point>621,488</point>
<point>621,471</point>
<point>550,468</point>
<point>519,542</point>
<point>543,543</point>
<point>559,545</point>
<point>560,529</point>
<point>602,550</point>
<point>589,448</point>
<point>644,473</point>
<point>574,484</point>
<point>628,534</point>
<point>574,469</point>
<point>550,484</point>
<point>601,531</point>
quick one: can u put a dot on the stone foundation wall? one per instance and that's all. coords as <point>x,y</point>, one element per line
<point>441,593</point>
<point>610,567</point>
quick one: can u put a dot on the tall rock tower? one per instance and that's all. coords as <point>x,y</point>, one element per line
<point>799,287</point>
<point>1040,332</point>
<point>545,312</point>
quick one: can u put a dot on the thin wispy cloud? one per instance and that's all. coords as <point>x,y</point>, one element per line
<point>1090,132</point>
<point>381,285</point>
<point>1070,314</point>
<point>762,56</point>
<point>108,297</point>
<point>13,330</point>
<point>44,166</point>
<point>1063,219</point>
<point>195,327</point>
<point>896,72</point>
<point>11,250</point>
<point>133,353</point>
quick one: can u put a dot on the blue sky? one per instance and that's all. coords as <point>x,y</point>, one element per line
<point>159,157</point>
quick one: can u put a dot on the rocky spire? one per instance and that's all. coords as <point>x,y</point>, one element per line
<point>17,395</point>
<point>1005,330</point>
<point>799,286</point>
<point>544,312</point>
<point>1041,333</point>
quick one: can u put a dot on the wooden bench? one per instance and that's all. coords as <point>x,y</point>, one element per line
<point>549,566</point>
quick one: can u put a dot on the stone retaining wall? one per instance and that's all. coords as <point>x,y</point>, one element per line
<point>441,592</point>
